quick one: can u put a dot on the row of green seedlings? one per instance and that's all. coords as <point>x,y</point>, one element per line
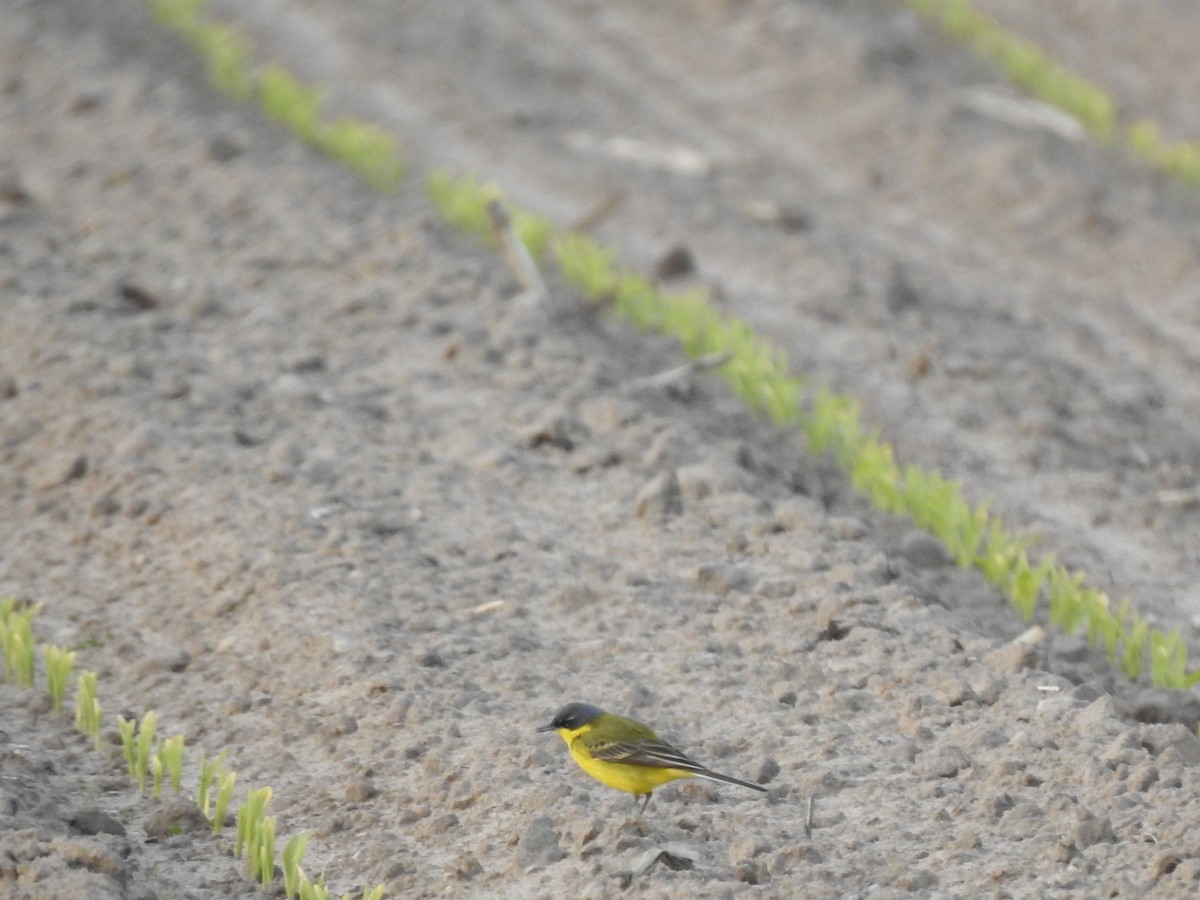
<point>149,760</point>
<point>757,370</point>
<point>364,148</point>
<point>1033,71</point>
<point>759,373</point>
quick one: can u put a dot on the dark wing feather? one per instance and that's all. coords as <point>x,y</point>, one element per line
<point>645,752</point>
<point>658,753</point>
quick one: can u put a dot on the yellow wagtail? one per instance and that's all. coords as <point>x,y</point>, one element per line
<point>625,754</point>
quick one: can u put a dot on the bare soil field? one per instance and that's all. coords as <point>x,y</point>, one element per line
<point>298,469</point>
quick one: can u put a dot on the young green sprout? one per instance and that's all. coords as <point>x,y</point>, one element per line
<point>1133,646</point>
<point>143,749</point>
<point>293,856</point>
<point>208,777</point>
<point>88,713</point>
<point>156,776</point>
<point>313,890</point>
<point>365,149</point>
<point>249,816</point>
<point>290,102</point>
<point>262,856</point>
<point>59,664</point>
<point>224,795</point>
<point>16,637</point>
<point>463,202</point>
<point>126,727</point>
<point>170,757</point>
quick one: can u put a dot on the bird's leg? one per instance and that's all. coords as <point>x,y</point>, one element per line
<point>645,803</point>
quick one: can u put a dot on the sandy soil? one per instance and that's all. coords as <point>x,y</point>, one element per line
<point>296,468</point>
<point>1017,309</point>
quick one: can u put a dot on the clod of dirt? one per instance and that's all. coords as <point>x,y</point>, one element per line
<point>677,262</point>
<point>137,297</point>
<point>179,815</point>
<point>91,820</point>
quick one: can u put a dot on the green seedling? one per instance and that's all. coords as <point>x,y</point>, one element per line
<point>16,638</point>
<point>127,729</point>
<point>1181,159</point>
<point>59,665</point>
<point>1024,63</point>
<point>781,398</point>
<point>1133,646</point>
<point>170,758</point>
<point>966,529</point>
<point>313,891</point>
<point>1040,76</point>
<point>688,317</point>
<point>637,300</point>
<point>364,149</point>
<point>262,854</point>
<point>137,750</point>
<point>289,102</point>
<point>224,795</point>
<point>293,856</point>
<point>875,474</point>
<point>208,777</point>
<point>937,505</point>
<point>535,232</point>
<point>227,56</point>
<point>1168,658</point>
<point>144,749</point>
<point>1024,584</point>
<point>1104,628</point>
<point>156,776</point>
<point>249,816</point>
<point>225,52</point>
<point>1068,610</point>
<point>463,202</point>
<point>256,835</point>
<point>588,266</point>
<point>823,424</point>
<point>88,719</point>
<point>999,558</point>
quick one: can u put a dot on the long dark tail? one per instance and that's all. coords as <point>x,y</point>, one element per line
<point>729,779</point>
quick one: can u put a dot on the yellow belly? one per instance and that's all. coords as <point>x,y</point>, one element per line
<point>631,779</point>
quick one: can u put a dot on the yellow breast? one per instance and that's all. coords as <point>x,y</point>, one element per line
<point>624,777</point>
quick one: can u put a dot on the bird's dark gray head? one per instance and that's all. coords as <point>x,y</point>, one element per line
<point>573,716</point>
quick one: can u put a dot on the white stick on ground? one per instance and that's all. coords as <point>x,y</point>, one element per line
<point>516,252</point>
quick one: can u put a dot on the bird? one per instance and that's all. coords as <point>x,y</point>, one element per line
<point>626,754</point>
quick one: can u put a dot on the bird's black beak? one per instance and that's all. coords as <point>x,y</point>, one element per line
<point>549,727</point>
